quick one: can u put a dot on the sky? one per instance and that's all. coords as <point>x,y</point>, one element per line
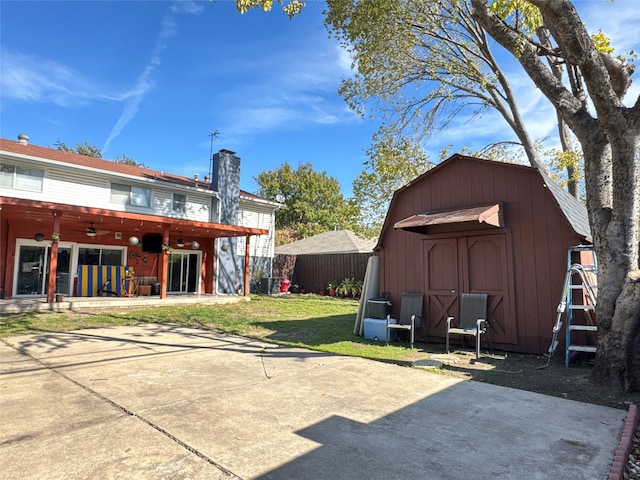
<point>153,80</point>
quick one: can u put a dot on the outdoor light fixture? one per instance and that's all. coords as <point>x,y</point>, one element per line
<point>38,237</point>
<point>195,245</point>
<point>180,242</point>
<point>91,230</point>
<point>133,241</point>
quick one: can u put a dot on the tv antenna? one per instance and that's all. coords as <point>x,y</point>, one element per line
<point>213,134</point>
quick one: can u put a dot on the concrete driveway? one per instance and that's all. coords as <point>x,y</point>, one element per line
<point>161,401</point>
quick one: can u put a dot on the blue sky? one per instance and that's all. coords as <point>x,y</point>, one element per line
<point>152,79</point>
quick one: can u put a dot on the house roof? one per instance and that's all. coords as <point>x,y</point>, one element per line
<point>335,241</point>
<point>72,158</point>
<point>71,216</point>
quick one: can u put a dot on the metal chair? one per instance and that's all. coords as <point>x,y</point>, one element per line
<point>473,319</point>
<point>410,316</point>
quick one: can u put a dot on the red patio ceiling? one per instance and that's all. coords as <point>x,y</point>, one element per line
<point>75,217</point>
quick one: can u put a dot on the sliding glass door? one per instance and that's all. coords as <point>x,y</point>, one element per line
<point>32,276</point>
<point>184,272</point>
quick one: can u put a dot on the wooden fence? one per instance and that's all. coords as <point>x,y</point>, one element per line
<point>313,272</point>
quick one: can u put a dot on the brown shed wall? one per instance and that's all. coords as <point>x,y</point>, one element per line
<point>528,257</point>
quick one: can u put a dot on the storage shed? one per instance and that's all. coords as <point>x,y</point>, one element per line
<point>473,225</point>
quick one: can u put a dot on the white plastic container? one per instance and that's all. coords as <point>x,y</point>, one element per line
<point>375,329</point>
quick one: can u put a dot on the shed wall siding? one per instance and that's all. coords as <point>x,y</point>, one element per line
<point>538,234</point>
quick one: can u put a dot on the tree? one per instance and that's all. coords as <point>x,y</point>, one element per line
<point>392,164</point>
<point>85,148</point>
<point>313,202</point>
<point>610,141</point>
<point>128,161</point>
<point>81,149</point>
<point>290,7</point>
<point>423,63</point>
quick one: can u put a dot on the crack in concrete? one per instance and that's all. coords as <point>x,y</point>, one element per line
<point>125,410</point>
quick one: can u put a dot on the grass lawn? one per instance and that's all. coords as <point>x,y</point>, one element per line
<point>326,324</point>
<point>308,321</point>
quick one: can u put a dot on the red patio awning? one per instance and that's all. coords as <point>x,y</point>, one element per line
<point>419,223</point>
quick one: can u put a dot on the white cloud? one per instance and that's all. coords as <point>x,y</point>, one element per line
<point>187,7</point>
<point>32,79</point>
<point>293,88</point>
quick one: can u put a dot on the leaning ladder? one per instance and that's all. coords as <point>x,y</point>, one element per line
<point>578,277</point>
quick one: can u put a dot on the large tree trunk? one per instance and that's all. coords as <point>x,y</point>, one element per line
<point>618,307</point>
<point>615,234</point>
<point>610,143</point>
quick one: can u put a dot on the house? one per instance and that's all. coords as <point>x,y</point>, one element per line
<point>71,224</point>
<point>473,225</point>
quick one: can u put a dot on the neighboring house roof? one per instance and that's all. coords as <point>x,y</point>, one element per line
<point>107,165</point>
<point>335,241</point>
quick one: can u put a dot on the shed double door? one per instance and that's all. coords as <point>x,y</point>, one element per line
<point>469,264</point>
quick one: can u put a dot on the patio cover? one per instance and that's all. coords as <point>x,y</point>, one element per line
<point>419,223</point>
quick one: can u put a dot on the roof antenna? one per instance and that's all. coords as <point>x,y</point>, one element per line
<point>213,135</point>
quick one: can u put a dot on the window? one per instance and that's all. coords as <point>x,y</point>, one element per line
<point>127,195</point>
<point>21,178</point>
<point>179,203</point>
<point>100,256</point>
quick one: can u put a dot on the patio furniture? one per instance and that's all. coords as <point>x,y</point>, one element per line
<point>472,320</point>
<point>410,316</point>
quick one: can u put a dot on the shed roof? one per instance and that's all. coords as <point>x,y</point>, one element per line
<point>572,209</point>
<point>334,241</point>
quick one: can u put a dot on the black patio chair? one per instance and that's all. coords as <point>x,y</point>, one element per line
<point>472,321</point>
<point>410,316</point>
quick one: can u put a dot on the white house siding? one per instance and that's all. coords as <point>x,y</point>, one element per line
<point>197,205</point>
<point>255,215</point>
<point>73,186</point>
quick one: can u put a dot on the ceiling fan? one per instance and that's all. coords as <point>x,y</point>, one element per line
<point>91,231</point>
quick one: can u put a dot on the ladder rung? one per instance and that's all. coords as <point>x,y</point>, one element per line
<point>582,307</point>
<point>582,348</point>
<point>584,328</point>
